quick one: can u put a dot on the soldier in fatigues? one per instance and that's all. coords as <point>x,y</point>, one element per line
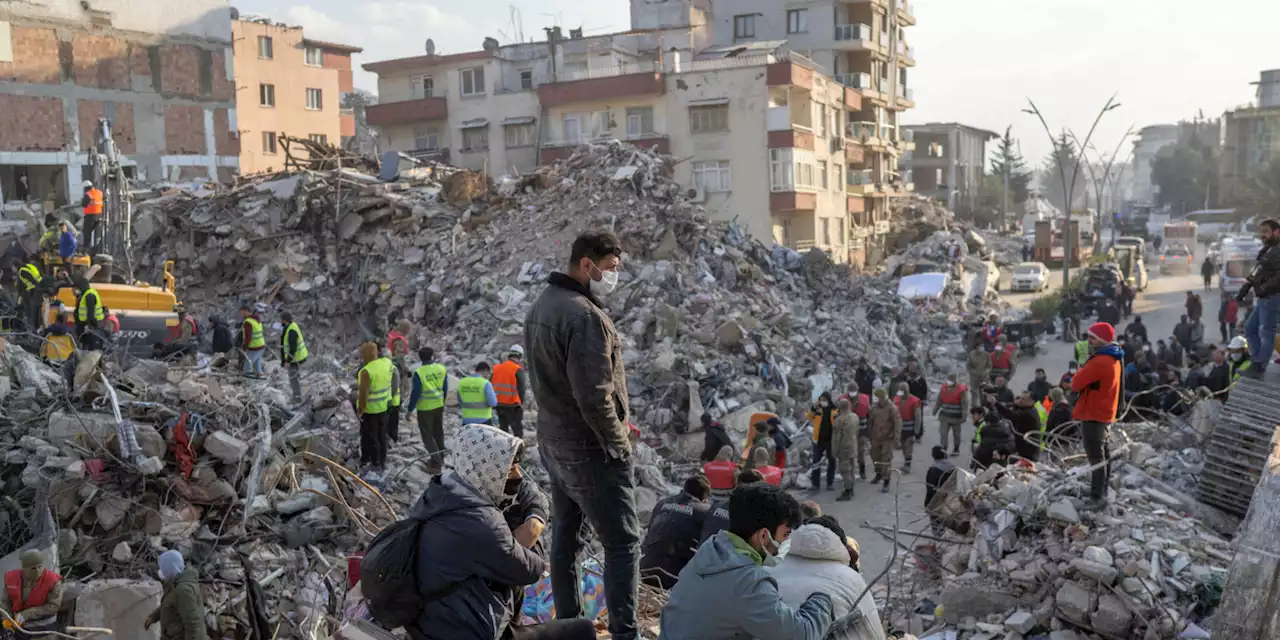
<point>979,366</point>
<point>885,427</point>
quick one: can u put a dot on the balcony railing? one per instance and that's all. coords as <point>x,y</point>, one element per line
<point>905,50</point>
<point>861,131</point>
<point>855,80</point>
<point>778,118</point>
<point>859,178</point>
<point>853,32</point>
<point>905,7</point>
<point>906,94</point>
<point>606,72</point>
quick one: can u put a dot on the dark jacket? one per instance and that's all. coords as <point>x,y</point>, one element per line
<point>182,608</point>
<point>1039,389</point>
<point>1059,415</point>
<point>716,519</point>
<point>1219,378</point>
<point>865,378</point>
<point>935,477</point>
<point>1266,275</point>
<point>575,365</point>
<point>996,438</point>
<point>468,564</point>
<point>1109,314</point>
<point>918,387</point>
<point>1195,308</point>
<point>713,439</point>
<point>1136,328</point>
<point>1003,394</point>
<point>675,531</point>
<point>222,341</point>
<point>1026,420</point>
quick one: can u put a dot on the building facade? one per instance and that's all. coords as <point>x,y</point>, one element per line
<point>1149,143</point>
<point>948,161</point>
<point>1250,138</point>
<point>288,85</point>
<point>160,73</point>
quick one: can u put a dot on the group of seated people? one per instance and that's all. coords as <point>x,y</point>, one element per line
<point>766,454</point>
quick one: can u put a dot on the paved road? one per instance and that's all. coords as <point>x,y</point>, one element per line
<point>1160,307</point>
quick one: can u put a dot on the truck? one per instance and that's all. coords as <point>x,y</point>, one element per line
<point>1183,233</point>
<point>1239,255</point>
<point>1048,247</point>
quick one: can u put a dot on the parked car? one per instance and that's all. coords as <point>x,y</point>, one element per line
<point>1176,259</point>
<point>1030,276</point>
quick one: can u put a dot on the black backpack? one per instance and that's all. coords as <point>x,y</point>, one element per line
<point>389,574</point>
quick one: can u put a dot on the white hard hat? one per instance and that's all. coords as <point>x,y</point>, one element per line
<point>517,350</point>
<point>87,183</point>
<point>1238,342</point>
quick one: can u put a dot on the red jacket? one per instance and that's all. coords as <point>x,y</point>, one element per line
<point>1098,383</point>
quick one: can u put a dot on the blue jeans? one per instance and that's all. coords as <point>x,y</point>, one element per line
<point>589,487</point>
<point>253,362</point>
<point>1260,329</point>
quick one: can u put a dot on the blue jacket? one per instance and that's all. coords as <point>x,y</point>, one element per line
<point>468,557</point>
<point>725,594</point>
<point>416,393</point>
<point>67,245</point>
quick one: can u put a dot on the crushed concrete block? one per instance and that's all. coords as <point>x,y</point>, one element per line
<point>1162,497</point>
<point>110,511</point>
<point>31,443</point>
<point>961,601</point>
<point>1075,602</point>
<point>1106,574</point>
<point>1112,617</point>
<point>89,429</point>
<point>1140,452</point>
<point>151,466</point>
<point>122,553</point>
<point>16,456</point>
<point>119,605</point>
<point>1064,511</point>
<point>1098,555</point>
<point>225,446</point>
<point>1021,622</point>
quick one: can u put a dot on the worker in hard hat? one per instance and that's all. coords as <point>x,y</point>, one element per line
<point>92,204</point>
<point>30,295</point>
<point>293,352</point>
<point>89,314</point>
<point>31,596</point>
<point>511,387</point>
<point>1238,355</point>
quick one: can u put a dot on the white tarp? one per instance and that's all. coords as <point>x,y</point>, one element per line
<point>923,285</point>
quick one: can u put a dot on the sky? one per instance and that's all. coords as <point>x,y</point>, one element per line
<point>977,60</point>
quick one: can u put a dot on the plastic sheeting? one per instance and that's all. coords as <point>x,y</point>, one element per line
<point>923,285</point>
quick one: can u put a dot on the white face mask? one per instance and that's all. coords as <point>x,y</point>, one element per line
<point>605,285</point>
<point>1237,356</point>
<point>770,551</point>
<point>900,394</point>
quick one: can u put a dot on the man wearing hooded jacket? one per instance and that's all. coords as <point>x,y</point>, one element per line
<point>1098,384</point>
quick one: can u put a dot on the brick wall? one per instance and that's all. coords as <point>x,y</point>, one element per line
<point>223,89</point>
<point>140,62</point>
<point>228,142</point>
<point>100,61</point>
<point>35,57</point>
<point>122,127</point>
<point>180,70</point>
<point>184,130</point>
<point>32,124</point>
<point>226,175</point>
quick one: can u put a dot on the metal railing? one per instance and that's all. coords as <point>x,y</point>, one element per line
<point>905,50</point>
<point>858,178</point>
<point>722,63</point>
<point>607,72</point>
<point>906,93</point>
<point>853,32</point>
<point>855,80</point>
<point>862,131</point>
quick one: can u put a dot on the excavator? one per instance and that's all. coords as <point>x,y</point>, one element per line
<point>147,313</point>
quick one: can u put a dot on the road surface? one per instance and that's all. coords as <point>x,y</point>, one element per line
<point>1160,307</point>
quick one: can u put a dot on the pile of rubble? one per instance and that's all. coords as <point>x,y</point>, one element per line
<point>914,218</point>
<point>1032,562</point>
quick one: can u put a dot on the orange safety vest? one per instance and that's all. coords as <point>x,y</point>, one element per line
<point>1001,359</point>
<point>111,323</point>
<point>504,383</point>
<point>38,595</point>
<point>952,399</point>
<point>393,337</point>
<point>907,409</point>
<point>1048,405</point>
<point>720,473</point>
<point>772,475</point>
<point>95,202</point>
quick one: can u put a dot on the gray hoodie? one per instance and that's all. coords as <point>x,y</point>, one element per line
<point>725,594</point>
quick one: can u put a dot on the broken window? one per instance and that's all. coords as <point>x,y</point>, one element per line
<point>265,49</point>
<point>267,95</point>
<point>315,99</point>
<point>268,142</point>
<point>709,119</point>
<point>475,139</point>
<point>472,81</point>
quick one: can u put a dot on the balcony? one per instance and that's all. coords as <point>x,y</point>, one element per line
<point>906,12</point>
<point>859,183</point>
<point>788,201</point>
<point>406,112</point>
<point>854,37</point>
<point>906,54</point>
<point>866,133</point>
<point>853,153</point>
<point>906,97</point>
<point>860,81</point>
<point>855,204</point>
<point>602,83</point>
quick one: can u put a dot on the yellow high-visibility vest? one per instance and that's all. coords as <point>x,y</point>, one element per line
<point>475,405</point>
<point>431,378</point>
<point>379,372</point>
<point>255,334</point>
<point>82,313</point>
<point>300,353</point>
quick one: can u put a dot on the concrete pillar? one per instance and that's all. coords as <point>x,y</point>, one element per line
<point>1250,608</point>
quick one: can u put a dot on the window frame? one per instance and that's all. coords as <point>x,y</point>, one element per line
<point>526,74</point>
<point>576,118</point>
<point>319,138</point>
<point>418,86</point>
<point>528,127</point>
<point>742,23</point>
<point>698,118</point>
<point>429,133</point>
<point>640,114</point>
<point>470,73</point>
<point>270,48</point>
<point>822,175</point>
<point>721,169</point>
<point>319,102</point>
<point>800,24</point>
<point>306,56</point>
<point>266,90</point>
<point>482,131</point>
<point>269,143</point>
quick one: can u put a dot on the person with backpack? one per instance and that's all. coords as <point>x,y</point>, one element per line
<point>467,565</point>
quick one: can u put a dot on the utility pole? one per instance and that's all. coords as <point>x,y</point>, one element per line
<point>1004,217</point>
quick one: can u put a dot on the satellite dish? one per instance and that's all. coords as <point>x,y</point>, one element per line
<point>431,47</point>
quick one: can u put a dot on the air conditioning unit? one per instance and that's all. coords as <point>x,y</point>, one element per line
<point>697,194</point>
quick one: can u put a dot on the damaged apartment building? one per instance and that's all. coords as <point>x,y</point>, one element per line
<point>160,72</point>
<point>767,136</point>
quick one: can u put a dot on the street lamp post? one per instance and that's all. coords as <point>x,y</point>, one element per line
<point>1100,185</point>
<point>1068,186</point>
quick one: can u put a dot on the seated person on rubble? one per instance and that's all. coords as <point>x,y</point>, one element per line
<point>31,596</point>
<point>59,339</point>
<point>717,518</point>
<point>996,446</point>
<point>763,462</point>
<point>469,564</point>
<point>818,560</point>
<point>674,533</point>
<point>714,439</point>
<point>724,593</point>
<point>760,439</point>
<point>722,472</point>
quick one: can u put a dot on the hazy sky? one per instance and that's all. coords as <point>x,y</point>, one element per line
<point>978,60</point>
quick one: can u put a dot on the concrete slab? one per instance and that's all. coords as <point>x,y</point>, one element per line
<point>119,605</point>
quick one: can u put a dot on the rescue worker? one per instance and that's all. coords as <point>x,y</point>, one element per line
<point>991,333</point>
<point>762,462</point>
<point>49,241</point>
<point>110,322</point>
<point>476,397</point>
<point>430,388</point>
<point>393,407</point>
<point>951,407</point>
<point>918,387</point>
<point>1039,388</point>
<point>32,595</point>
<point>1003,360</point>
<point>979,369</point>
<point>182,611</point>
<point>1026,421</point>
<point>781,442</point>
<point>673,533</point>
<point>92,204</point>
<point>293,352</point>
<point>1238,354</point>
<point>58,342</point>
<point>714,439</point>
<point>252,342</point>
<point>511,387</point>
<point>861,404</point>
<point>89,314</point>
<point>911,409</point>
<point>30,295</point>
<point>844,445</point>
<point>1082,350</point>
<point>997,444</point>
<point>372,399</point>
<point>1098,384</point>
<point>977,416</point>
<point>182,338</point>
<point>884,425</point>
<point>722,471</point>
<point>398,345</point>
<point>822,416</point>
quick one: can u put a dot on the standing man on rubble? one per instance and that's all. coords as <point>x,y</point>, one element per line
<point>951,408</point>
<point>1098,384</point>
<point>911,409</point>
<point>884,424</point>
<point>31,294</point>
<point>32,595</point>
<point>182,610</point>
<point>398,346</point>
<point>578,378</point>
<point>865,377</point>
<point>89,314</point>
<point>293,352</point>
<point>919,387</point>
<point>66,242</point>
<point>373,396</point>
<point>252,341</point>
<point>430,386</point>
<point>512,388</point>
<point>92,205</point>
<point>476,396</point>
<point>979,368</point>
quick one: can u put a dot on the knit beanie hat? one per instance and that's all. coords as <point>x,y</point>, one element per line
<point>1103,331</point>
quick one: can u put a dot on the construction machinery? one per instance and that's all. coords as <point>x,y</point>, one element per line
<point>146,312</point>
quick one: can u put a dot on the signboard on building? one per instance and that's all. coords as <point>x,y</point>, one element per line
<point>882,227</point>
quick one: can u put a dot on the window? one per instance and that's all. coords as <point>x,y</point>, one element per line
<point>315,99</point>
<point>819,119</point>
<point>639,121</point>
<point>572,128</point>
<point>526,79</point>
<point>476,139</point>
<point>314,57</point>
<point>826,232</point>
<point>519,135</point>
<point>822,174</point>
<point>268,142</point>
<point>781,176</point>
<point>472,81</point>
<point>600,124</point>
<point>712,175</point>
<point>267,95</point>
<point>709,119</point>
<point>797,21</point>
<point>840,239</point>
<point>422,87</point>
<point>426,138</point>
<point>319,138</point>
<point>265,50</point>
<point>744,27</point>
